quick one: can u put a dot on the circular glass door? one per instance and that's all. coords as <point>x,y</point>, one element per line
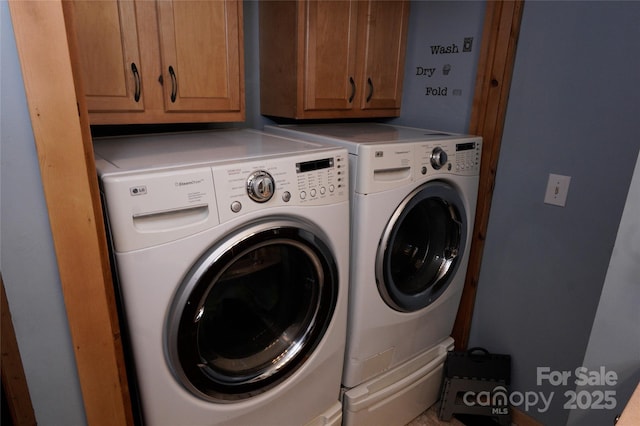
<point>421,247</point>
<point>251,310</point>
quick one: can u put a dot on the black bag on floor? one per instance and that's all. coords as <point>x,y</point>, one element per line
<point>476,382</point>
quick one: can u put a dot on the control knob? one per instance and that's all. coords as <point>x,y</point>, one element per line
<point>438,158</point>
<point>260,186</point>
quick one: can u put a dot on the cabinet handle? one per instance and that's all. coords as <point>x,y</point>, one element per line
<point>136,78</point>
<point>174,84</point>
<point>353,89</point>
<point>370,84</point>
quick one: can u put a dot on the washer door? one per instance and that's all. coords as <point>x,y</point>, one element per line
<point>420,249</point>
<point>251,310</point>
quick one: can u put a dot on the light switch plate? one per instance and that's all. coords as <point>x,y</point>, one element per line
<point>557,190</point>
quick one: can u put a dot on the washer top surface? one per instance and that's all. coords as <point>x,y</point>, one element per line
<point>158,151</point>
<point>351,135</point>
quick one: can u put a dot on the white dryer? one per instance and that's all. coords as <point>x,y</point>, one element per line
<point>232,255</point>
<point>413,194</point>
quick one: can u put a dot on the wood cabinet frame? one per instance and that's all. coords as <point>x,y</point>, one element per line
<point>61,130</point>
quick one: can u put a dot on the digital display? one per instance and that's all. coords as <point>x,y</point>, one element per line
<point>465,146</point>
<point>309,166</point>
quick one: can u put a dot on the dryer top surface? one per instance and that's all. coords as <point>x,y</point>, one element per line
<point>158,151</point>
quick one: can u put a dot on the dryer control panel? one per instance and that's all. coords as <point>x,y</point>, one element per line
<point>302,180</point>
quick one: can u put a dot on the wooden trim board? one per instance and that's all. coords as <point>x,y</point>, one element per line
<point>493,80</point>
<point>61,130</point>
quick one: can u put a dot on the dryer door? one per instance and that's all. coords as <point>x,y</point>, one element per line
<point>251,311</point>
<point>420,249</point>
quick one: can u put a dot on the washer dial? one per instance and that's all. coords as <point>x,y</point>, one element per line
<point>438,158</point>
<point>260,186</point>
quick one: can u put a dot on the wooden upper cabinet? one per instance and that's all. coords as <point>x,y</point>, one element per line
<point>385,29</point>
<point>108,39</point>
<point>162,61</point>
<point>199,47</point>
<point>332,59</point>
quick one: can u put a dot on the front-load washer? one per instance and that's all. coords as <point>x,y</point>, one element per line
<point>413,201</point>
<point>231,249</point>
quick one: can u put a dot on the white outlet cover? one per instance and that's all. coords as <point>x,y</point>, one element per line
<point>557,190</point>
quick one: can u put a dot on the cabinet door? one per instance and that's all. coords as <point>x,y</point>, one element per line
<point>109,56</point>
<point>200,49</point>
<point>385,29</point>
<point>330,66</point>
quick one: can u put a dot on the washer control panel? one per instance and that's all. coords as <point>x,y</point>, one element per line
<point>468,157</point>
<point>302,180</point>
<point>456,156</point>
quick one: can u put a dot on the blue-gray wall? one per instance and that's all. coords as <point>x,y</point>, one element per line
<point>573,110</point>
<point>615,337</point>
<point>438,87</point>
